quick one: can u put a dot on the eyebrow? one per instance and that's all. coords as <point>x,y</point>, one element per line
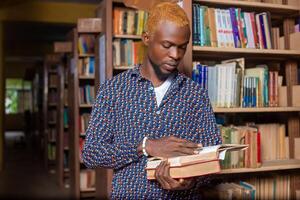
<point>174,43</point>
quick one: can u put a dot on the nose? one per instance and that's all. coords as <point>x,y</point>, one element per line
<point>174,53</point>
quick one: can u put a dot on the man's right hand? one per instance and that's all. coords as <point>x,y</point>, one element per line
<point>170,147</point>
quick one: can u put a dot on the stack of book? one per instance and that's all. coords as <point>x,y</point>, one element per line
<point>204,163</point>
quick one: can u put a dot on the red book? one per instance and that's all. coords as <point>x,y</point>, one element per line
<point>258,148</point>
<point>253,24</point>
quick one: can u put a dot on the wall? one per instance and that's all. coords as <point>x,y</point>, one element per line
<point>2,89</point>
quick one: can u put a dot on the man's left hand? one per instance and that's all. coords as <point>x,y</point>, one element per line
<point>162,175</point>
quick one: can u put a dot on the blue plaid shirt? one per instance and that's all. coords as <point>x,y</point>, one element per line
<point>125,111</point>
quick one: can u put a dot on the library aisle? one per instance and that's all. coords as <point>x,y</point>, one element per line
<point>25,176</point>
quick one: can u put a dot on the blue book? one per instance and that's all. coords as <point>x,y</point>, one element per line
<point>235,28</point>
<point>198,25</point>
<point>195,24</point>
<point>195,74</point>
<point>202,33</point>
<point>206,77</point>
<point>91,65</point>
<point>263,32</point>
<point>199,68</point>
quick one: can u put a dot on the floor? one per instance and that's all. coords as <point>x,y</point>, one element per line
<point>24,176</point>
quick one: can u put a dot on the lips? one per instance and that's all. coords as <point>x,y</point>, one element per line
<point>170,67</point>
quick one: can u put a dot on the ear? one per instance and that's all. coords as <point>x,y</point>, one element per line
<point>146,38</point>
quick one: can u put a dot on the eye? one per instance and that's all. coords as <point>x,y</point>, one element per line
<point>166,45</point>
<point>183,47</point>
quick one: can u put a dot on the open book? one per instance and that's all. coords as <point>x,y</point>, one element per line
<point>206,162</point>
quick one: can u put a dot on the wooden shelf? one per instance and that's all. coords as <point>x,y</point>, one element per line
<point>52,71</point>
<point>82,135</point>
<point>254,6</point>
<point>123,67</point>
<point>52,87</point>
<point>86,55</point>
<point>51,122</point>
<point>255,110</point>
<point>85,77</point>
<point>88,193</point>
<point>87,189</point>
<point>138,37</point>
<point>52,104</point>
<point>86,106</point>
<point>267,166</point>
<point>263,53</point>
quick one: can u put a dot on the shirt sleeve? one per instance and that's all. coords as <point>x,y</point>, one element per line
<point>100,148</point>
<point>210,134</point>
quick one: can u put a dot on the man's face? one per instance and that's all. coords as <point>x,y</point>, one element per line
<point>167,46</point>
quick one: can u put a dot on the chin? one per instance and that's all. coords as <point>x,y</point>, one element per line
<point>168,69</point>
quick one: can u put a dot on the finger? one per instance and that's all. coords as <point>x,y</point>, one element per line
<point>166,174</point>
<point>160,175</point>
<point>174,184</point>
<point>188,144</point>
<point>186,151</point>
<point>156,173</point>
<point>186,183</point>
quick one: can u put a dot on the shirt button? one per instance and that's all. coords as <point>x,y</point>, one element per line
<point>158,112</point>
<point>151,88</point>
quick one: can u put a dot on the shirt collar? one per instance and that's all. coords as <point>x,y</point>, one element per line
<point>135,72</point>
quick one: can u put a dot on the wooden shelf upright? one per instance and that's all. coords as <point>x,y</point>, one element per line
<point>52,65</point>
<point>62,167</point>
<point>81,79</point>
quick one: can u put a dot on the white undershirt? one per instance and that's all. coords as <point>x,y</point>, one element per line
<point>161,90</point>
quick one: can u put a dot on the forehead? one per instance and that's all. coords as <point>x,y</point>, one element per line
<point>170,31</point>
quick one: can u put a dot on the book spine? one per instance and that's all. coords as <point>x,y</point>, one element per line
<point>236,38</point>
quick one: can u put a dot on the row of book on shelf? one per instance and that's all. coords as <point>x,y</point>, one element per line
<point>266,142</point>
<point>128,21</point>
<point>245,146</point>
<point>86,66</point>
<point>234,28</point>
<point>87,179</point>
<point>231,28</point>
<point>52,134</point>
<point>53,80</point>
<point>127,52</point>
<point>86,44</point>
<point>275,187</point>
<point>229,84</point>
<point>86,94</point>
<point>52,97</point>
<point>51,151</point>
<point>52,115</point>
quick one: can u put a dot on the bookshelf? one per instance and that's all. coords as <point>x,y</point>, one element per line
<point>50,110</point>
<point>108,67</point>
<point>281,16</point>
<point>81,92</point>
<point>62,168</point>
<point>254,6</point>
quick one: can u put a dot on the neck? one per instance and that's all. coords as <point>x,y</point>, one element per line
<point>148,71</point>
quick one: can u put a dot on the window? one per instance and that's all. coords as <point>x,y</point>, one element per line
<point>18,96</point>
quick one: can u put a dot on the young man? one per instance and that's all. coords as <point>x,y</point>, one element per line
<point>151,110</point>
